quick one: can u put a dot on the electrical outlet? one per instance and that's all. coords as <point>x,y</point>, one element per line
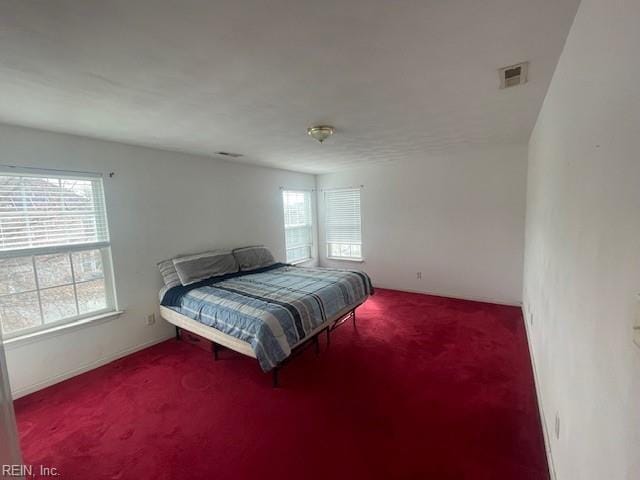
<point>151,319</point>
<point>557,426</point>
<point>419,275</point>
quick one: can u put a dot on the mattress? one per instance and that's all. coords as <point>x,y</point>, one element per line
<point>273,309</point>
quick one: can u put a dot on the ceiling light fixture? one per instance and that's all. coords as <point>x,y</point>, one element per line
<point>320,132</point>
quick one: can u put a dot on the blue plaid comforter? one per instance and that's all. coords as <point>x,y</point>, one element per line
<point>275,309</point>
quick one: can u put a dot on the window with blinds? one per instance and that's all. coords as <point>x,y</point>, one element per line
<point>343,224</point>
<point>298,225</point>
<point>54,251</point>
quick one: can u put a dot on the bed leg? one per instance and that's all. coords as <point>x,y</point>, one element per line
<point>353,316</point>
<point>177,333</point>
<point>275,377</point>
<point>214,349</point>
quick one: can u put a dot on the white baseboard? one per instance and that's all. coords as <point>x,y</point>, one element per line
<point>21,392</point>
<point>543,421</point>
<point>456,297</point>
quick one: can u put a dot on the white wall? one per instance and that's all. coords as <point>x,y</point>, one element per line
<point>458,218</point>
<point>582,265</point>
<point>159,204</point>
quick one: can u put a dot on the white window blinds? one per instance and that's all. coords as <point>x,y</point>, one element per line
<point>343,224</point>
<point>38,211</point>
<point>55,260</point>
<point>298,225</point>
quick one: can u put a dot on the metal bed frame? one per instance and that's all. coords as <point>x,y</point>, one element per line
<point>234,344</point>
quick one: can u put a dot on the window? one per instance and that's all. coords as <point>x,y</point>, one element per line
<point>343,224</point>
<point>54,251</point>
<point>298,225</point>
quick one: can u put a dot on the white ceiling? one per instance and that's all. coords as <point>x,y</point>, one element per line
<point>397,78</point>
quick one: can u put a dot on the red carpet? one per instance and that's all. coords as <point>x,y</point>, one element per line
<point>425,388</point>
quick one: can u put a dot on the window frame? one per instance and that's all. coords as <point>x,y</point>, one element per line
<point>310,226</point>
<point>328,244</point>
<point>103,247</point>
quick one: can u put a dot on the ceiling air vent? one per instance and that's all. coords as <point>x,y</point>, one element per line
<point>514,75</point>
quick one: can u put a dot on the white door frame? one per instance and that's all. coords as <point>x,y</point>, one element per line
<point>9,443</point>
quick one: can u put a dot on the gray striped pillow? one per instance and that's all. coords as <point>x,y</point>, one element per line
<point>169,273</point>
<point>162,291</point>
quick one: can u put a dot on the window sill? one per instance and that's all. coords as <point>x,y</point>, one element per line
<point>344,259</point>
<point>298,262</point>
<point>28,338</point>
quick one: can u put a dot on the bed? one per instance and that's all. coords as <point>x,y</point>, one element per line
<point>269,313</point>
